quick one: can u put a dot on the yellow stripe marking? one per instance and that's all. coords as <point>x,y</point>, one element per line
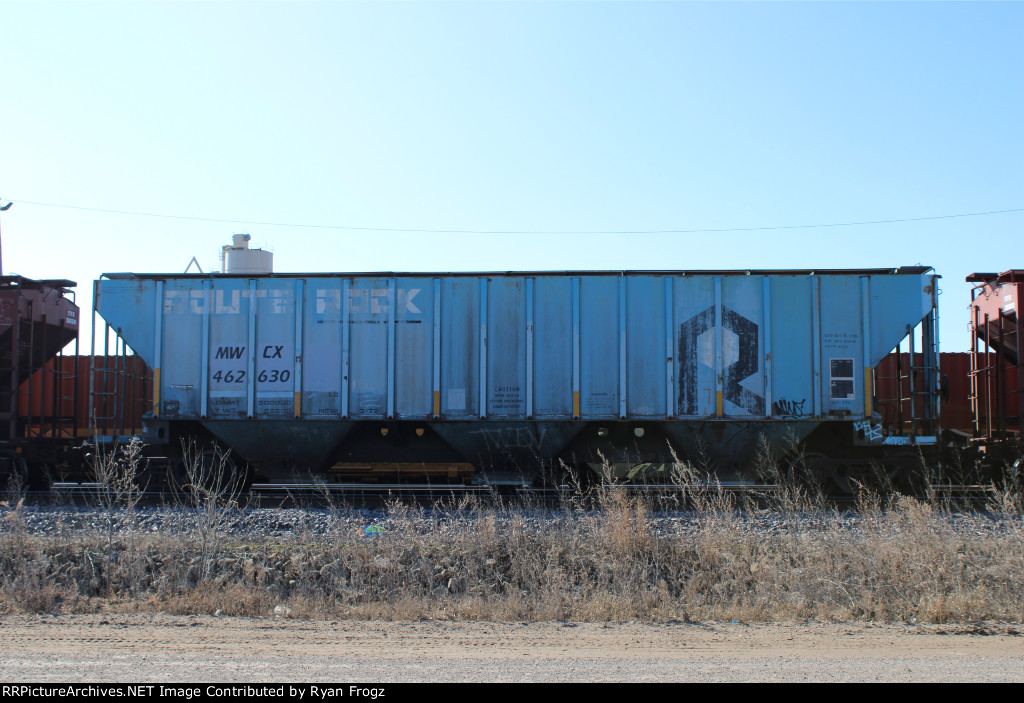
<point>437,403</point>
<point>575,403</point>
<point>719,408</point>
<point>298,405</point>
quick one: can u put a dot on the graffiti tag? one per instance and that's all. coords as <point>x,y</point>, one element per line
<point>504,438</point>
<point>871,432</point>
<point>788,408</point>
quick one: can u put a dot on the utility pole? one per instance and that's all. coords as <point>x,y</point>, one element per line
<point>3,208</point>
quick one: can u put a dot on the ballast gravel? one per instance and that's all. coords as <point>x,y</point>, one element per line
<point>314,521</point>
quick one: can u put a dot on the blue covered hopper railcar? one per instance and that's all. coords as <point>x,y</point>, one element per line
<point>499,376</point>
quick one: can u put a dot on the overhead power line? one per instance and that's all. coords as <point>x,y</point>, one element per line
<point>411,230</point>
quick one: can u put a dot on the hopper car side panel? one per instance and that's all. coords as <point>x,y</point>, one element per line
<point>507,367</point>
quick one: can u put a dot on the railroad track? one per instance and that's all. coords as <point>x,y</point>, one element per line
<point>377,494</point>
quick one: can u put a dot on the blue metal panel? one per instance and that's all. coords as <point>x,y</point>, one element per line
<point>414,348</point>
<point>481,380</point>
<point>842,365</point>
<point>300,298</point>
<point>231,378</point>
<point>274,351</point>
<point>792,362</point>
<point>670,350</point>
<point>576,347</point>
<point>506,359</point>
<point>182,343</point>
<point>156,304</point>
<point>322,342</point>
<point>251,355</point>
<point>390,369</point>
<point>623,378</point>
<point>743,329</point>
<point>346,347</point>
<point>694,315</point>
<point>645,346</point>
<point>204,372</point>
<point>136,307</point>
<point>896,301</point>
<point>460,347</point>
<point>865,326</point>
<point>816,346</point>
<point>766,342</point>
<point>436,379</point>
<point>368,347</point>
<point>530,347</point>
<point>553,348</point>
<point>719,352</point>
<point>599,358</point>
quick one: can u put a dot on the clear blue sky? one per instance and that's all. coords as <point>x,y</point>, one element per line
<point>514,117</point>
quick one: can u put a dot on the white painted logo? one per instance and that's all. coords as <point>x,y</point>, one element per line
<point>374,301</point>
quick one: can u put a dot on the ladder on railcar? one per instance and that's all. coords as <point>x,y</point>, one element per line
<point>49,398</point>
<point>119,386</point>
<point>997,382</point>
<point>38,393</point>
<point>916,383</point>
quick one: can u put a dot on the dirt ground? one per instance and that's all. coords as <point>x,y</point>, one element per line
<point>163,648</point>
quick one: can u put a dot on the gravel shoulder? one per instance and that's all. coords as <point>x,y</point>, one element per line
<point>164,648</point>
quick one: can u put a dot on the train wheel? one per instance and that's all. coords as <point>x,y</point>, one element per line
<point>211,474</point>
<point>219,473</point>
<point>808,470</point>
<point>40,476</point>
<point>905,472</point>
<point>843,478</point>
<point>176,479</point>
<point>1015,476</point>
<point>580,478</point>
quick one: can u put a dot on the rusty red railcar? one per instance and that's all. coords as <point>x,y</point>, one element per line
<point>38,319</point>
<point>957,397</point>
<point>58,399</point>
<point>997,332</point>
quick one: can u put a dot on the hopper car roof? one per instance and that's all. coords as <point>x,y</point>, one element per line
<point>22,282</point>
<point>430,274</point>
<point>1011,276</point>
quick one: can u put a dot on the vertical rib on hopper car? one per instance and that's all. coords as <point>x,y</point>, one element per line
<point>510,372</point>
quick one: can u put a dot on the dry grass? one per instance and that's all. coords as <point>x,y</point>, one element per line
<point>612,558</point>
